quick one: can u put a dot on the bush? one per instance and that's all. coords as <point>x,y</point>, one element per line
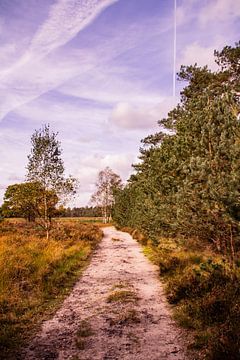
<point>206,293</point>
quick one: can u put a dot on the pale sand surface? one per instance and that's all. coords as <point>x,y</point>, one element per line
<point>150,334</point>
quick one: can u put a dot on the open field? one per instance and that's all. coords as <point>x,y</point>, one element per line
<point>84,219</point>
<point>36,274</point>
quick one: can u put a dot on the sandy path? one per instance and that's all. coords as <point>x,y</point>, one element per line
<point>136,328</point>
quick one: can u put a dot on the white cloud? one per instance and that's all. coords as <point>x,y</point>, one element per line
<point>32,75</point>
<point>124,115</point>
<point>13,155</point>
<point>61,112</point>
<point>7,51</point>
<point>109,84</point>
<point>196,53</point>
<point>185,12</point>
<point>89,167</point>
<point>66,19</point>
<point>84,72</point>
<point>219,11</point>
<point>37,77</point>
<point>208,12</point>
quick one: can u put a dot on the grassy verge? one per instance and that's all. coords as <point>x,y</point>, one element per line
<point>205,293</point>
<point>36,274</point>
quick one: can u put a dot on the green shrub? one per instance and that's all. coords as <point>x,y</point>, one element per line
<point>206,293</point>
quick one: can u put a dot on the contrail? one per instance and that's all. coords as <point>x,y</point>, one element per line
<point>174,47</point>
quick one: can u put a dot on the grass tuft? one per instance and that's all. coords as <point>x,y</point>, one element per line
<point>126,318</point>
<point>122,296</point>
<point>85,329</point>
<point>80,343</point>
<point>116,239</point>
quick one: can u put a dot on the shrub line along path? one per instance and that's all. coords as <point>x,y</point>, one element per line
<point>117,310</point>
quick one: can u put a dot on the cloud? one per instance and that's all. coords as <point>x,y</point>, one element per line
<point>124,115</point>
<point>196,53</point>
<point>89,167</point>
<point>7,51</point>
<point>109,84</point>
<point>33,75</point>
<point>208,12</point>
<point>60,111</point>
<point>89,70</point>
<point>35,78</point>
<point>219,11</point>
<point>66,19</point>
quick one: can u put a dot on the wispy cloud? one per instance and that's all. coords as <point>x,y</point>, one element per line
<point>66,19</point>
<point>32,75</point>
<point>219,11</point>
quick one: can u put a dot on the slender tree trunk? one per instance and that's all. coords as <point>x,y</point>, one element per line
<point>105,214</point>
<point>46,223</point>
<point>232,247</point>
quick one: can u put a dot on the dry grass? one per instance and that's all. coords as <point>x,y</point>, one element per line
<point>127,317</point>
<point>116,239</point>
<point>122,296</point>
<point>120,285</point>
<point>85,329</point>
<point>80,343</point>
<point>35,274</point>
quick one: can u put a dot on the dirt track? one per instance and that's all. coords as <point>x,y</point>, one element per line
<point>115,311</point>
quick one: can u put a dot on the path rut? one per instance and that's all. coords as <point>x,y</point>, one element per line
<point>90,325</point>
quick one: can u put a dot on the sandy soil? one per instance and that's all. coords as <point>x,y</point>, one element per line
<point>134,324</point>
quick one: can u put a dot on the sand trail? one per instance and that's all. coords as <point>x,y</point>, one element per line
<point>116,310</point>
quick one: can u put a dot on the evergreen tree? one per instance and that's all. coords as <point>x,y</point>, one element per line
<point>187,180</point>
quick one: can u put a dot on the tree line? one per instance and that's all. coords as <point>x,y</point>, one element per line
<point>187,181</point>
<point>83,211</point>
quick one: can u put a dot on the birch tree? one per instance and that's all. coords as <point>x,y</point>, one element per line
<point>108,182</point>
<point>45,166</point>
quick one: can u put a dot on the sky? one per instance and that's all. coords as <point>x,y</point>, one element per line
<point>100,72</point>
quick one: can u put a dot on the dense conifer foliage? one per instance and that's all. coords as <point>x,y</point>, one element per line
<point>187,180</point>
<point>183,203</point>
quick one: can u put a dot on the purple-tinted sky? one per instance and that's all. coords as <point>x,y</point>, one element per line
<point>100,73</point>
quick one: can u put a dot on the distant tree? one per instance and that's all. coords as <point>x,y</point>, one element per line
<point>107,184</point>
<point>84,211</point>
<point>22,200</point>
<point>25,200</point>
<point>1,214</point>
<point>46,167</point>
